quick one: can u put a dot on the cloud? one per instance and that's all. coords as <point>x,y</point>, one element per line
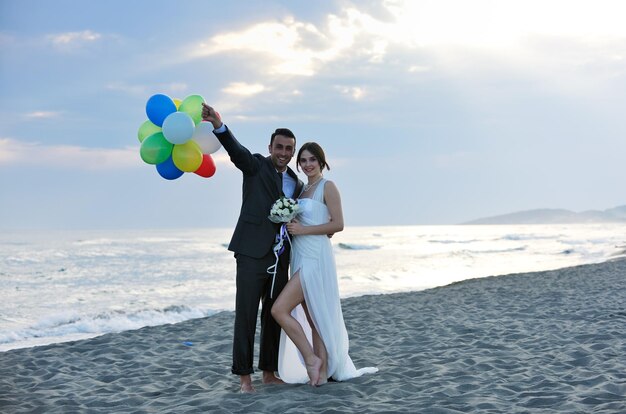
<point>353,92</point>
<point>14,152</point>
<point>501,24</point>
<point>450,35</point>
<point>245,89</point>
<point>135,90</point>
<point>298,48</point>
<point>175,89</point>
<point>70,41</point>
<point>43,114</point>
<point>6,39</point>
<point>418,69</point>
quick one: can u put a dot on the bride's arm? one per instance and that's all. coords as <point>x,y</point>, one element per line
<point>333,202</point>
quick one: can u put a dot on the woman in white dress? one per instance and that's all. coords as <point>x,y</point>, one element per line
<point>314,342</point>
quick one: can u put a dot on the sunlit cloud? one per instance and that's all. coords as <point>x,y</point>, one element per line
<point>277,41</point>
<point>571,46</point>
<point>245,89</point>
<point>73,40</point>
<point>456,35</point>
<point>496,23</point>
<point>298,48</point>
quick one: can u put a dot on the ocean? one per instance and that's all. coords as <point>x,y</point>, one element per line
<point>70,285</point>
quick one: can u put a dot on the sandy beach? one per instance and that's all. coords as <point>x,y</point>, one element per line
<point>546,342</point>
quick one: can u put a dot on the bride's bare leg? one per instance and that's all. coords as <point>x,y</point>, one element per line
<point>318,347</point>
<point>289,298</point>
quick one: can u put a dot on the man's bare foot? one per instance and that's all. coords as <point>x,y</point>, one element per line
<point>270,378</point>
<point>313,370</point>
<point>246,385</point>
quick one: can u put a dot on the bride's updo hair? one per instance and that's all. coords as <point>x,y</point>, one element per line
<point>317,151</point>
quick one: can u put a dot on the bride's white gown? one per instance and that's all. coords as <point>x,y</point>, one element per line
<point>313,257</point>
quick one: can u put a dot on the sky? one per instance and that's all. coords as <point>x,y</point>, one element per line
<point>430,112</point>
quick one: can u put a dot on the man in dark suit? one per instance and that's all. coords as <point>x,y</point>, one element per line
<point>265,179</point>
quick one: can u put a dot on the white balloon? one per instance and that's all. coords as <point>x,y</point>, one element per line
<point>178,128</point>
<point>204,137</point>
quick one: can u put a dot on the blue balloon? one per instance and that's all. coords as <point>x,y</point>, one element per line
<point>158,107</point>
<point>168,170</point>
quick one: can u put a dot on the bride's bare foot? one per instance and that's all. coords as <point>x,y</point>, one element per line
<point>323,378</point>
<point>313,370</point>
<point>323,374</point>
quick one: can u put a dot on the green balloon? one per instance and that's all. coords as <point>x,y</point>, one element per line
<point>192,105</point>
<point>146,129</point>
<point>155,149</point>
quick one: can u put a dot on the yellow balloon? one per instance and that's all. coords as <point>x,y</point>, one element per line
<point>187,157</point>
<point>177,102</point>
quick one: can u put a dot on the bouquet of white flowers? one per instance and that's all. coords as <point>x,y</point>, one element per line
<point>284,210</point>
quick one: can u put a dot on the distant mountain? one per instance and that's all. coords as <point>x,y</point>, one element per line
<point>556,216</point>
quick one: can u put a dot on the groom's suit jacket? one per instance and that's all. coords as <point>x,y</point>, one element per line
<point>262,186</point>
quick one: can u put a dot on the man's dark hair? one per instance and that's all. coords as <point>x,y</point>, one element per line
<point>284,132</point>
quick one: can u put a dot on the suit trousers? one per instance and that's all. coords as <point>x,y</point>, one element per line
<point>254,284</point>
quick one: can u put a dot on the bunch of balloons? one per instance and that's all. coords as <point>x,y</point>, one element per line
<point>175,139</point>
